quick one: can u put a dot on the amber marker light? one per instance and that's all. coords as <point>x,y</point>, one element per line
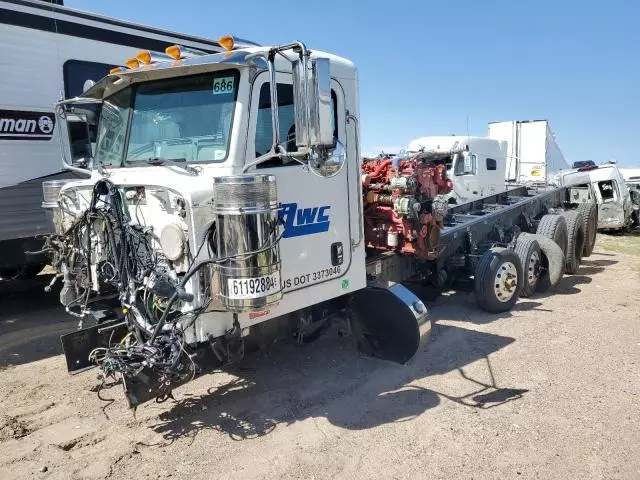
<point>144,57</point>
<point>132,63</point>
<point>227,42</point>
<point>174,52</point>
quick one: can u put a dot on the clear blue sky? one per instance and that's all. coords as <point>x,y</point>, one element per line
<point>425,67</point>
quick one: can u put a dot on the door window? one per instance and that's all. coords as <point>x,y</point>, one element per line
<point>264,128</point>
<point>465,164</point>
<point>608,190</point>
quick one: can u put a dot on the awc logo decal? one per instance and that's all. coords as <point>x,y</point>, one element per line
<point>304,221</point>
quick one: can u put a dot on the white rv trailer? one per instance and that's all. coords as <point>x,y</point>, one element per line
<point>49,51</point>
<point>533,156</point>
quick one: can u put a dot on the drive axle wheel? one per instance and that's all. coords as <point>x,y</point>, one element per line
<point>528,250</point>
<point>589,213</point>
<point>576,240</point>
<point>498,280</point>
<point>555,228</point>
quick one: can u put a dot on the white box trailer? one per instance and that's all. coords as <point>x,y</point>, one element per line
<point>533,156</point>
<point>49,51</point>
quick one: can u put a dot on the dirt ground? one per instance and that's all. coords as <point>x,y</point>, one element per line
<point>549,390</point>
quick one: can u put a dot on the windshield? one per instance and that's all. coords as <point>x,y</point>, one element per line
<point>185,119</point>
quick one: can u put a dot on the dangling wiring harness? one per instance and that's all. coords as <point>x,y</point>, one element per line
<point>104,253</point>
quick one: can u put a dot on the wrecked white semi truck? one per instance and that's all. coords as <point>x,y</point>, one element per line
<point>211,221</point>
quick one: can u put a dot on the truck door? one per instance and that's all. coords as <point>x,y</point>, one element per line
<point>465,181</point>
<point>494,175</point>
<point>316,244</point>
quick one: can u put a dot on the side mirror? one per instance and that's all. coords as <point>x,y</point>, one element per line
<point>313,116</point>
<point>312,95</point>
<point>90,117</point>
<point>315,145</point>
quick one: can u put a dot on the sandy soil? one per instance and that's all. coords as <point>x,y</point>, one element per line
<point>550,390</point>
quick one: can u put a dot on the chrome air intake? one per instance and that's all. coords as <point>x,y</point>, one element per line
<point>246,213</point>
<point>50,197</point>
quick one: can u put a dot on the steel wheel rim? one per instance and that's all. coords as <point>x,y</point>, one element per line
<point>533,269</point>
<point>505,282</point>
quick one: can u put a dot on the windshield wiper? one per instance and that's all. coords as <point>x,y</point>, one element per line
<point>174,162</point>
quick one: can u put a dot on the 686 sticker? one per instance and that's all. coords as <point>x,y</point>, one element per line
<point>242,288</point>
<point>223,85</point>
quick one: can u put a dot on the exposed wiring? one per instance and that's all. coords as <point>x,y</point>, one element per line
<point>104,252</point>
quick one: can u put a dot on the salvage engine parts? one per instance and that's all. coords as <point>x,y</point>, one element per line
<point>105,253</point>
<point>404,203</point>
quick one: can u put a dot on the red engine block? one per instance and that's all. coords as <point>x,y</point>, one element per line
<point>403,204</point>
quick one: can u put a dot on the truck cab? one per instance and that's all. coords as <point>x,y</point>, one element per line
<point>169,129</point>
<point>225,192</point>
<point>476,165</point>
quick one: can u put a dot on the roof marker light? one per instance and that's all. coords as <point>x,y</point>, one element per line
<point>132,63</point>
<point>174,52</point>
<point>116,70</point>
<point>144,57</point>
<point>226,42</point>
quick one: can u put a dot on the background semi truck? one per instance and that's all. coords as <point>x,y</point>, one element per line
<point>227,205</point>
<point>49,52</point>
<point>515,153</point>
<point>476,166</point>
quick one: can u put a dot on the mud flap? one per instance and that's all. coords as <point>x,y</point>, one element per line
<point>390,322</point>
<point>78,345</point>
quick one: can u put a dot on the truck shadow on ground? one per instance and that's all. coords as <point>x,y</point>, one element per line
<point>569,285</point>
<point>631,232</point>
<point>329,379</point>
<point>354,392</point>
<point>31,321</point>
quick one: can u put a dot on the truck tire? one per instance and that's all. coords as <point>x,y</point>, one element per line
<point>498,280</point>
<point>551,262</point>
<point>528,250</point>
<point>576,240</point>
<point>555,228</point>
<point>589,213</point>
